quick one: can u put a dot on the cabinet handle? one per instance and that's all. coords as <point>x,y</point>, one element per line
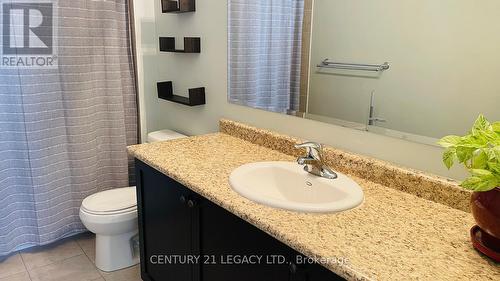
<point>191,203</point>
<point>183,199</point>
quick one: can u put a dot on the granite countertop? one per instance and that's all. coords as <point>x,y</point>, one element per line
<point>393,235</point>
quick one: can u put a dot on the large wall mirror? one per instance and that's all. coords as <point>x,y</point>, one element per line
<point>415,69</point>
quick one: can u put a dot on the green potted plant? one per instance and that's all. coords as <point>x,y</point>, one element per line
<point>479,152</point>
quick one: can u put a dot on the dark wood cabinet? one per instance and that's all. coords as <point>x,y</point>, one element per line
<point>167,225</point>
<point>177,223</point>
<point>224,236</point>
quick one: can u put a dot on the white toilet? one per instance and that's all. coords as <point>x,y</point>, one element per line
<point>112,216</point>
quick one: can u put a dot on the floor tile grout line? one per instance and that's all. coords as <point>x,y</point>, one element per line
<point>61,261</point>
<point>85,253</point>
<point>82,253</point>
<point>93,263</point>
<point>9,275</point>
<point>53,262</point>
<point>24,264</point>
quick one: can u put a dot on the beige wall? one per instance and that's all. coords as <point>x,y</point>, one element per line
<point>444,57</point>
<point>209,69</point>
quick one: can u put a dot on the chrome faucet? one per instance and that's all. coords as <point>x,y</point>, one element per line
<point>372,119</point>
<point>313,161</point>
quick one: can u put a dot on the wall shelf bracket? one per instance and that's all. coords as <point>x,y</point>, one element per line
<point>191,45</point>
<point>179,6</point>
<point>166,92</point>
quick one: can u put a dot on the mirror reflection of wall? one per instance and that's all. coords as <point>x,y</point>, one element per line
<point>439,77</point>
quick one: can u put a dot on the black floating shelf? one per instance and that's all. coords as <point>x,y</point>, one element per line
<point>166,92</point>
<point>191,45</point>
<point>179,6</point>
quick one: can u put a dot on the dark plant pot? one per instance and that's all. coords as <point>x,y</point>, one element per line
<point>486,211</point>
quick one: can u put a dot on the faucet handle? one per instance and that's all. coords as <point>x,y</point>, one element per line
<point>314,161</point>
<point>310,147</point>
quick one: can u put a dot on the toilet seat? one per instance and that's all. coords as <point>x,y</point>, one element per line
<point>111,202</point>
<point>118,212</point>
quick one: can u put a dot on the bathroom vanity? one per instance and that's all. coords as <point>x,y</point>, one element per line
<point>409,226</point>
<point>184,236</point>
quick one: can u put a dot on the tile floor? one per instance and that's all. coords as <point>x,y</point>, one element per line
<point>70,259</point>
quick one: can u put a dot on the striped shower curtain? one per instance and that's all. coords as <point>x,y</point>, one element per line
<point>63,129</point>
<point>265,39</point>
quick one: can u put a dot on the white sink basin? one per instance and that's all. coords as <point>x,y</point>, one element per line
<point>286,185</point>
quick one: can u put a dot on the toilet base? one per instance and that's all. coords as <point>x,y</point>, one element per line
<point>114,252</point>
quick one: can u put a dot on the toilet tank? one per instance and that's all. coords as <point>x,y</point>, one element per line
<point>164,135</point>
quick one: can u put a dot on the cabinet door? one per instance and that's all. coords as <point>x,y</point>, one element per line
<point>317,272</point>
<point>310,271</point>
<point>165,227</point>
<point>226,239</point>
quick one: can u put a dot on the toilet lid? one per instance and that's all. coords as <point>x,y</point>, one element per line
<point>111,201</point>
<point>164,135</point>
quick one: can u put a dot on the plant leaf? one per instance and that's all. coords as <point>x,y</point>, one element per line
<point>464,154</point>
<point>496,152</point>
<point>487,136</point>
<point>449,157</point>
<point>449,141</point>
<point>479,159</point>
<point>486,185</point>
<point>496,127</point>
<point>481,124</point>
<point>471,183</point>
<point>493,153</point>
<point>479,151</point>
<point>495,167</point>
<point>473,141</point>
<point>481,180</point>
<point>481,173</point>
